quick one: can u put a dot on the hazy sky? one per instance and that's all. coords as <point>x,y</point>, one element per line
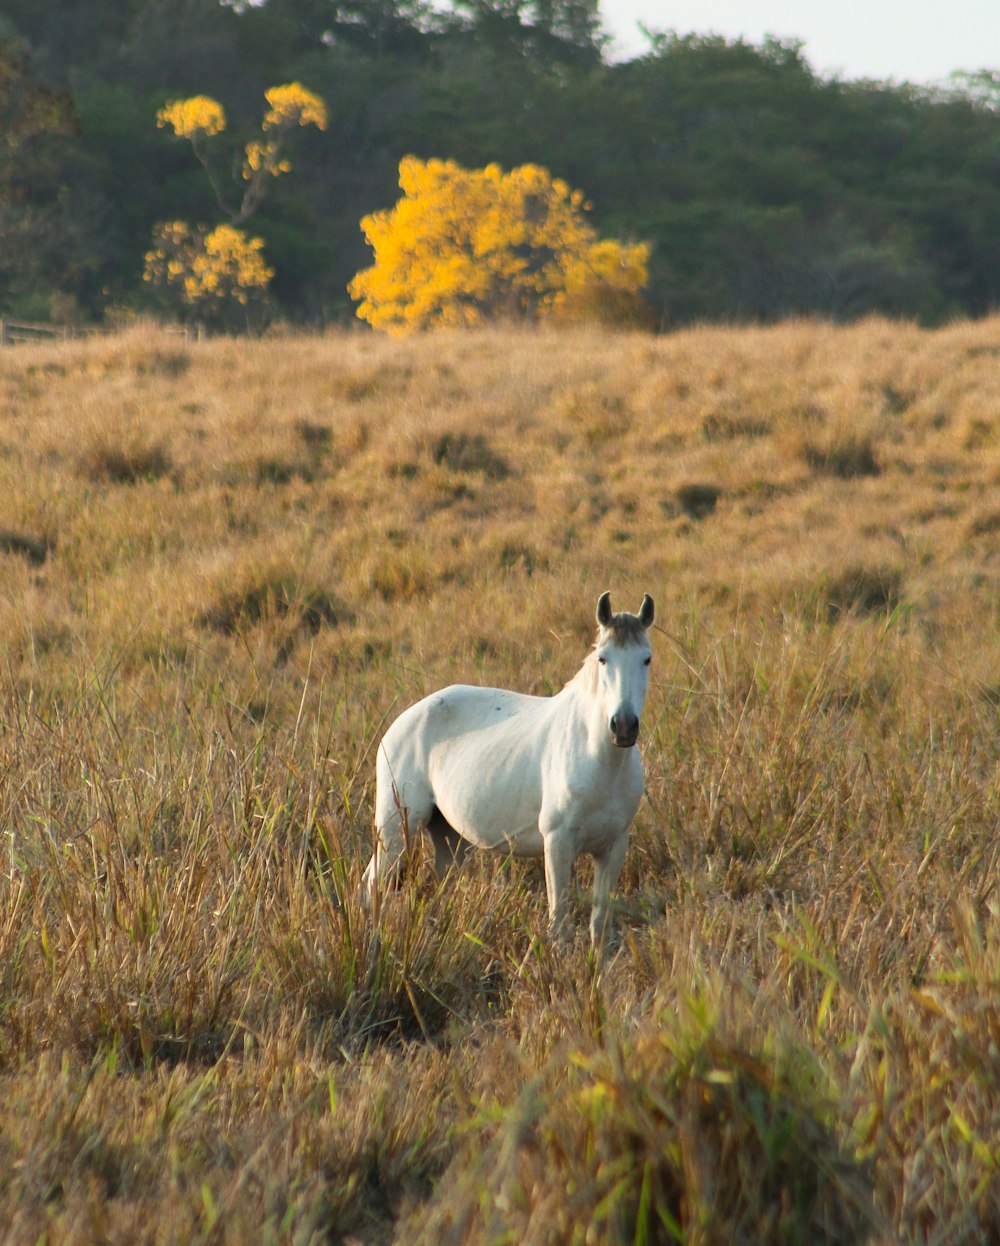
<point>910,40</point>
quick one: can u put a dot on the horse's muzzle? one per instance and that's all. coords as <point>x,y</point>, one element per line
<point>624,730</point>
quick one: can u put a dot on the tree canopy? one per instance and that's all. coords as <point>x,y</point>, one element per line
<point>464,246</point>
<point>762,188</point>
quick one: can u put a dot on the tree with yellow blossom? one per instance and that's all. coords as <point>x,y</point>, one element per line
<point>213,271</point>
<point>464,246</point>
<point>210,270</point>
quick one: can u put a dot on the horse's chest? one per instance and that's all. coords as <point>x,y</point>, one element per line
<point>598,803</point>
<point>596,823</point>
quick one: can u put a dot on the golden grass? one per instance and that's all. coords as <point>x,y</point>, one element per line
<point>225,566</point>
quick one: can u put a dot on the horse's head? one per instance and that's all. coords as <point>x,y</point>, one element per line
<point>623,655</point>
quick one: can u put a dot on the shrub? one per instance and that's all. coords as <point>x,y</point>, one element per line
<point>698,500</point>
<point>260,594</point>
<point>862,589</point>
<point>206,272</point>
<point>847,457</point>
<point>469,452</point>
<point>34,549</point>
<point>684,1134</point>
<point>126,462</point>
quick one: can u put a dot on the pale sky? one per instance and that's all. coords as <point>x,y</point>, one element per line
<point>905,40</point>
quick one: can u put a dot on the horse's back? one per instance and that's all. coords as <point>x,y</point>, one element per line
<point>460,711</point>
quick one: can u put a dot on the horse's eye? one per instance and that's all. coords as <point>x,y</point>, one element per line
<point>647,661</point>
<point>603,661</point>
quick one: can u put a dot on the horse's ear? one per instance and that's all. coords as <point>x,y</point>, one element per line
<point>604,609</point>
<point>646,611</point>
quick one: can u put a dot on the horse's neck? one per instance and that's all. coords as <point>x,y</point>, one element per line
<point>585,707</point>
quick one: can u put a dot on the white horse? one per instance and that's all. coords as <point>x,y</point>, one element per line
<point>531,776</point>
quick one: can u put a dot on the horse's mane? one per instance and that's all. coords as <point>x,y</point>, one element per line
<point>626,629</point>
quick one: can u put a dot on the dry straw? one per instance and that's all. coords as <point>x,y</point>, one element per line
<point>225,566</point>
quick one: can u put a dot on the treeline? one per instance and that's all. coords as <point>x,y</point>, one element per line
<point>763,189</point>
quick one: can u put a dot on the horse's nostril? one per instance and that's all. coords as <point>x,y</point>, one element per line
<point>624,728</point>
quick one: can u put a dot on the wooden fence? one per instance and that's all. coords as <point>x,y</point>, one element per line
<point>14,331</point>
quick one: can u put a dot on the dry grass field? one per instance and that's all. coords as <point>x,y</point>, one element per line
<point>225,566</point>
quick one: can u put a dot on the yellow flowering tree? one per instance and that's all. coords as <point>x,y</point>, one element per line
<point>202,118</point>
<point>214,272</point>
<point>197,118</point>
<point>463,246</point>
<point>211,271</point>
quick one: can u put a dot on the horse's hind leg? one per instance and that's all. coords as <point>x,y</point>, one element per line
<point>449,846</point>
<point>399,815</point>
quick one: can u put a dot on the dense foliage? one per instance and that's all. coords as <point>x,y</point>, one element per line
<point>464,246</point>
<point>763,188</point>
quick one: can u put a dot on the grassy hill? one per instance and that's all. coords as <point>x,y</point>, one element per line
<point>226,566</point>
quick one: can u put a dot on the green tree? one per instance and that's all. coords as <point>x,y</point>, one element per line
<point>37,226</point>
<point>376,28</point>
<point>545,31</point>
<point>764,188</point>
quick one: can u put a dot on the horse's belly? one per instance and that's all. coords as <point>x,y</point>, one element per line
<point>518,841</point>
<point>487,782</point>
<point>495,810</point>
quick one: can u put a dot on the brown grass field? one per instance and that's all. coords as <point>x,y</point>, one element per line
<point>225,566</point>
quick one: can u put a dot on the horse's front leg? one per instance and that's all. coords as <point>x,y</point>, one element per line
<point>607,867</point>
<point>560,853</point>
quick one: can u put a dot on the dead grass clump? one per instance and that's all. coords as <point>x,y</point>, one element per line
<point>978,434</point>
<point>134,460</point>
<point>593,412</point>
<point>409,971</point>
<point>316,436</point>
<point>272,461</point>
<point>520,556</point>
<point>279,469</point>
<point>400,574</point>
<point>847,457</point>
<point>404,469</point>
<point>985,524</point>
<point>362,383</point>
<point>120,990</point>
<point>34,627</point>
<point>261,593</point>
<point>897,400</point>
<point>930,1117</point>
<point>358,386</point>
<point>353,437</point>
<point>171,363</point>
<point>34,550</point>
<point>862,589</point>
<point>468,452</point>
<point>698,499</point>
<point>723,426</point>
